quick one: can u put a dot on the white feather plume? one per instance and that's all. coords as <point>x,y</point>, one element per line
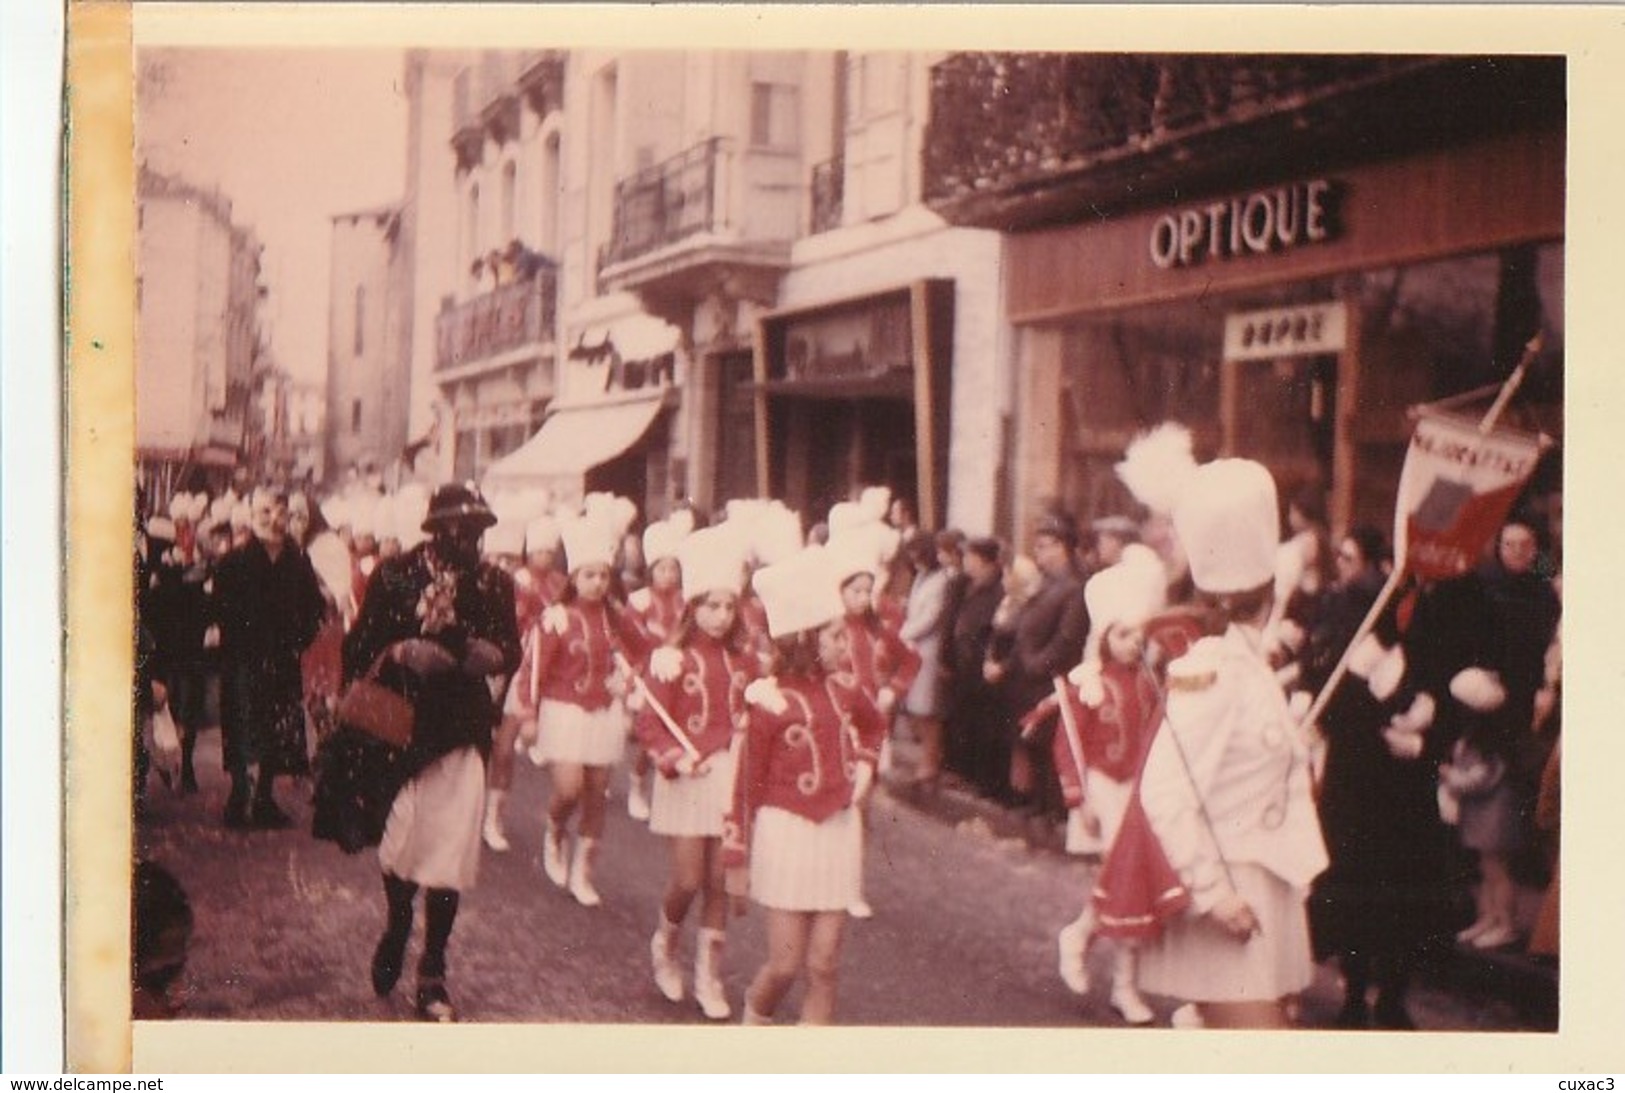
<point>1157,466</point>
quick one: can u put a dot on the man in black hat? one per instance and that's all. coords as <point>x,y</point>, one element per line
<point>438,624</point>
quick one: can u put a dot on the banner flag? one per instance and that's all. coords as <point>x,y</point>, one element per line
<point>1455,490</point>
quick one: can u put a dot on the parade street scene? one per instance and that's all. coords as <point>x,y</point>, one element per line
<point>844,537</point>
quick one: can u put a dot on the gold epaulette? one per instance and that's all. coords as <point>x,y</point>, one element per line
<point>1192,682</point>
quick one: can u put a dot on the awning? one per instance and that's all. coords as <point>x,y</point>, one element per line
<point>575,439</point>
<point>634,337</point>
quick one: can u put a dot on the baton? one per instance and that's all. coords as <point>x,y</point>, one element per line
<point>666,718</point>
<point>1070,724</point>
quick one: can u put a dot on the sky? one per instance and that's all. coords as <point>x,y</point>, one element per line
<point>292,137</point>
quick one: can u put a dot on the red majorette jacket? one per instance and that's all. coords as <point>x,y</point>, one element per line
<point>570,654</point>
<point>879,657</point>
<point>656,614</point>
<point>1115,731</point>
<point>702,687</point>
<point>804,740</point>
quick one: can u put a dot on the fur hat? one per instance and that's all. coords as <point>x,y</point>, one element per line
<point>799,593</point>
<point>1228,523</point>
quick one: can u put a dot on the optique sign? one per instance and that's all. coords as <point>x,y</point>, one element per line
<point>1262,222</point>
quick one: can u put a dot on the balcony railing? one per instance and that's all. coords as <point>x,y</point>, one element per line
<point>1012,124</point>
<point>506,318</point>
<point>828,192</point>
<point>668,202</point>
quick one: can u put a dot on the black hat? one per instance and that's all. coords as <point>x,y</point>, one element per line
<point>456,502</point>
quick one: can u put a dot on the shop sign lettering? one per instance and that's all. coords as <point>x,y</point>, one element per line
<point>1262,222</point>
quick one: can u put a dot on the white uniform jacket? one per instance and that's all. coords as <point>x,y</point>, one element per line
<point>1228,739</point>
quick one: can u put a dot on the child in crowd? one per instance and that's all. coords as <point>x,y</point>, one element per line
<point>573,685</point>
<point>812,744</point>
<point>656,609</point>
<point>688,726</point>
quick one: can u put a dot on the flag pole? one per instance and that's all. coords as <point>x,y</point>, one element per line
<point>1508,388</point>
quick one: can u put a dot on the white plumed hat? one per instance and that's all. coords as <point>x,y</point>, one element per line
<point>775,533</point>
<point>875,500</point>
<point>662,538</point>
<point>505,537</point>
<point>1157,466</point>
<point>845,516</point>
<point>1125,594</point>
<point>408,510</point>
<point>542,533</point>
<point>712,559</point>
<point>1228,524</point>
<point>588,541</point>
<point>799,593</point>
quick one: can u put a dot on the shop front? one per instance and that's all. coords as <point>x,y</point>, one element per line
<point>1293,320</point>
<point>850,394</point>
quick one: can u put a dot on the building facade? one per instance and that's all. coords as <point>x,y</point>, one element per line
<point>197,336</point>
<point>752,298</point>
<point>368,347</point>
<point>1284,253</point>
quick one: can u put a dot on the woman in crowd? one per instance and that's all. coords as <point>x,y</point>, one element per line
<point>1386,894</point>
<point>688,726</point>
<point>1226,785</point>
<point>922,631</point>
<point>573,684</point>
<point>811,747</point>
<point>971,722</point>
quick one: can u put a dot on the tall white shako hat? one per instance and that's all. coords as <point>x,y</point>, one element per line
<point>875,501</point>
<point>799,593</point>
<point>774,533</point>
<point>712,559</point>
<point>408,511</point>
<point>505,537</point>
<point>662,538</point>
<point>1229,525</point>
<point>588,540</point>
<point>615,512</point>
<point>542,533</point>
<point>364,513</point>
<point>1125,594</point>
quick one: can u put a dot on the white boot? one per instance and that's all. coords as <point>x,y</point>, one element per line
<point>494,836</point>
<point>555,862</point>
<point>1125,997</point>
<point>637,799</point>
<point>1071,946</point>
<point>663,955</point>
<point>708,989</point>
<point>581,873</point>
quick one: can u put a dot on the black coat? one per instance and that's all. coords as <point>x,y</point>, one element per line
<point>1396,881</point>
<point>1049,636</point>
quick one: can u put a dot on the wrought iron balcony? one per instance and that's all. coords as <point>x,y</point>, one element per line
<point>1018,139</point>
<point>666,203</point>
<point>504,319</point>
<point>828,192</point>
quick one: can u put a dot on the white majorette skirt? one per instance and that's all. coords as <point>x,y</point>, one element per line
<point>797,865</point>
<point>569,734</point>
<point>695,804</point>
<point>1195,959</point>
<point>432,836</point>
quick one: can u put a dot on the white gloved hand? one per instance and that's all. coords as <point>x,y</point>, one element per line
<point>1402,743</point>
<point>862,782</point>
<point>1086,678</point>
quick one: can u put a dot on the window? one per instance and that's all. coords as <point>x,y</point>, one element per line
<point>355,416</point>
<point>360,316</point>
<point>774,115</point>
<point>510,183</point>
